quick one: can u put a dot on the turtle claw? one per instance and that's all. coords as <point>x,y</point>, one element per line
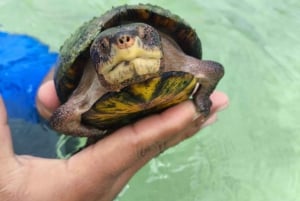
<point>202,102</point>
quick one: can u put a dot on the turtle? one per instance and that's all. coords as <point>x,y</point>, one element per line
<point>131,62</point>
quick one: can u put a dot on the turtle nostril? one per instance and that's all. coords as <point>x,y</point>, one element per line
<point>125,41</point>
<point>121,41</point>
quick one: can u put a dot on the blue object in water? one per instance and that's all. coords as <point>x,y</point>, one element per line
<point>24,62</point>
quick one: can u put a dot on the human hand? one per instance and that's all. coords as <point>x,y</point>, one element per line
<point>99,172</point>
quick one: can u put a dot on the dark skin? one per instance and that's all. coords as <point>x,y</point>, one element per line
<point>78,178</point>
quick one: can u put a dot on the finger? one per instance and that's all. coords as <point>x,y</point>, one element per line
<point>153,137</point>
<point>220,101</point>
<point>140,141</point>
<point>47,100</point>
<point>6,148</point>
<point>188,132</point>
<point>132,146</point>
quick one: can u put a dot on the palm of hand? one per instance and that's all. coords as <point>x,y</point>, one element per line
<point>100,171</point>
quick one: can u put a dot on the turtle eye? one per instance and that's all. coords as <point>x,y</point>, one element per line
<point>149,35</point>
<point>145,36</point>
<point>104,45</point>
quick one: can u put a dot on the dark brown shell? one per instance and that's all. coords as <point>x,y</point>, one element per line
<point>75,51</point>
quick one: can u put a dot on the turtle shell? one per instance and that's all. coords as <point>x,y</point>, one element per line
<point>75,51</point>
<point>115,109</point>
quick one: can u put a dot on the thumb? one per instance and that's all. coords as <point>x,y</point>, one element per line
<point>47,100</point>
<point>6,148</point>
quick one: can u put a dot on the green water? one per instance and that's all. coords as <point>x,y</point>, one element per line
<point>253,151</point>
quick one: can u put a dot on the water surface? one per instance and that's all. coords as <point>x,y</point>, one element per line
<point>252,152</point>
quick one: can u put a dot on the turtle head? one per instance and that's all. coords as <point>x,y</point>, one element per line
<point>127,54</point>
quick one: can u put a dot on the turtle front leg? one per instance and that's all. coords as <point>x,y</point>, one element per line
<point>67,117</point>
<point>67,120</point>
<point>208,74</point>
